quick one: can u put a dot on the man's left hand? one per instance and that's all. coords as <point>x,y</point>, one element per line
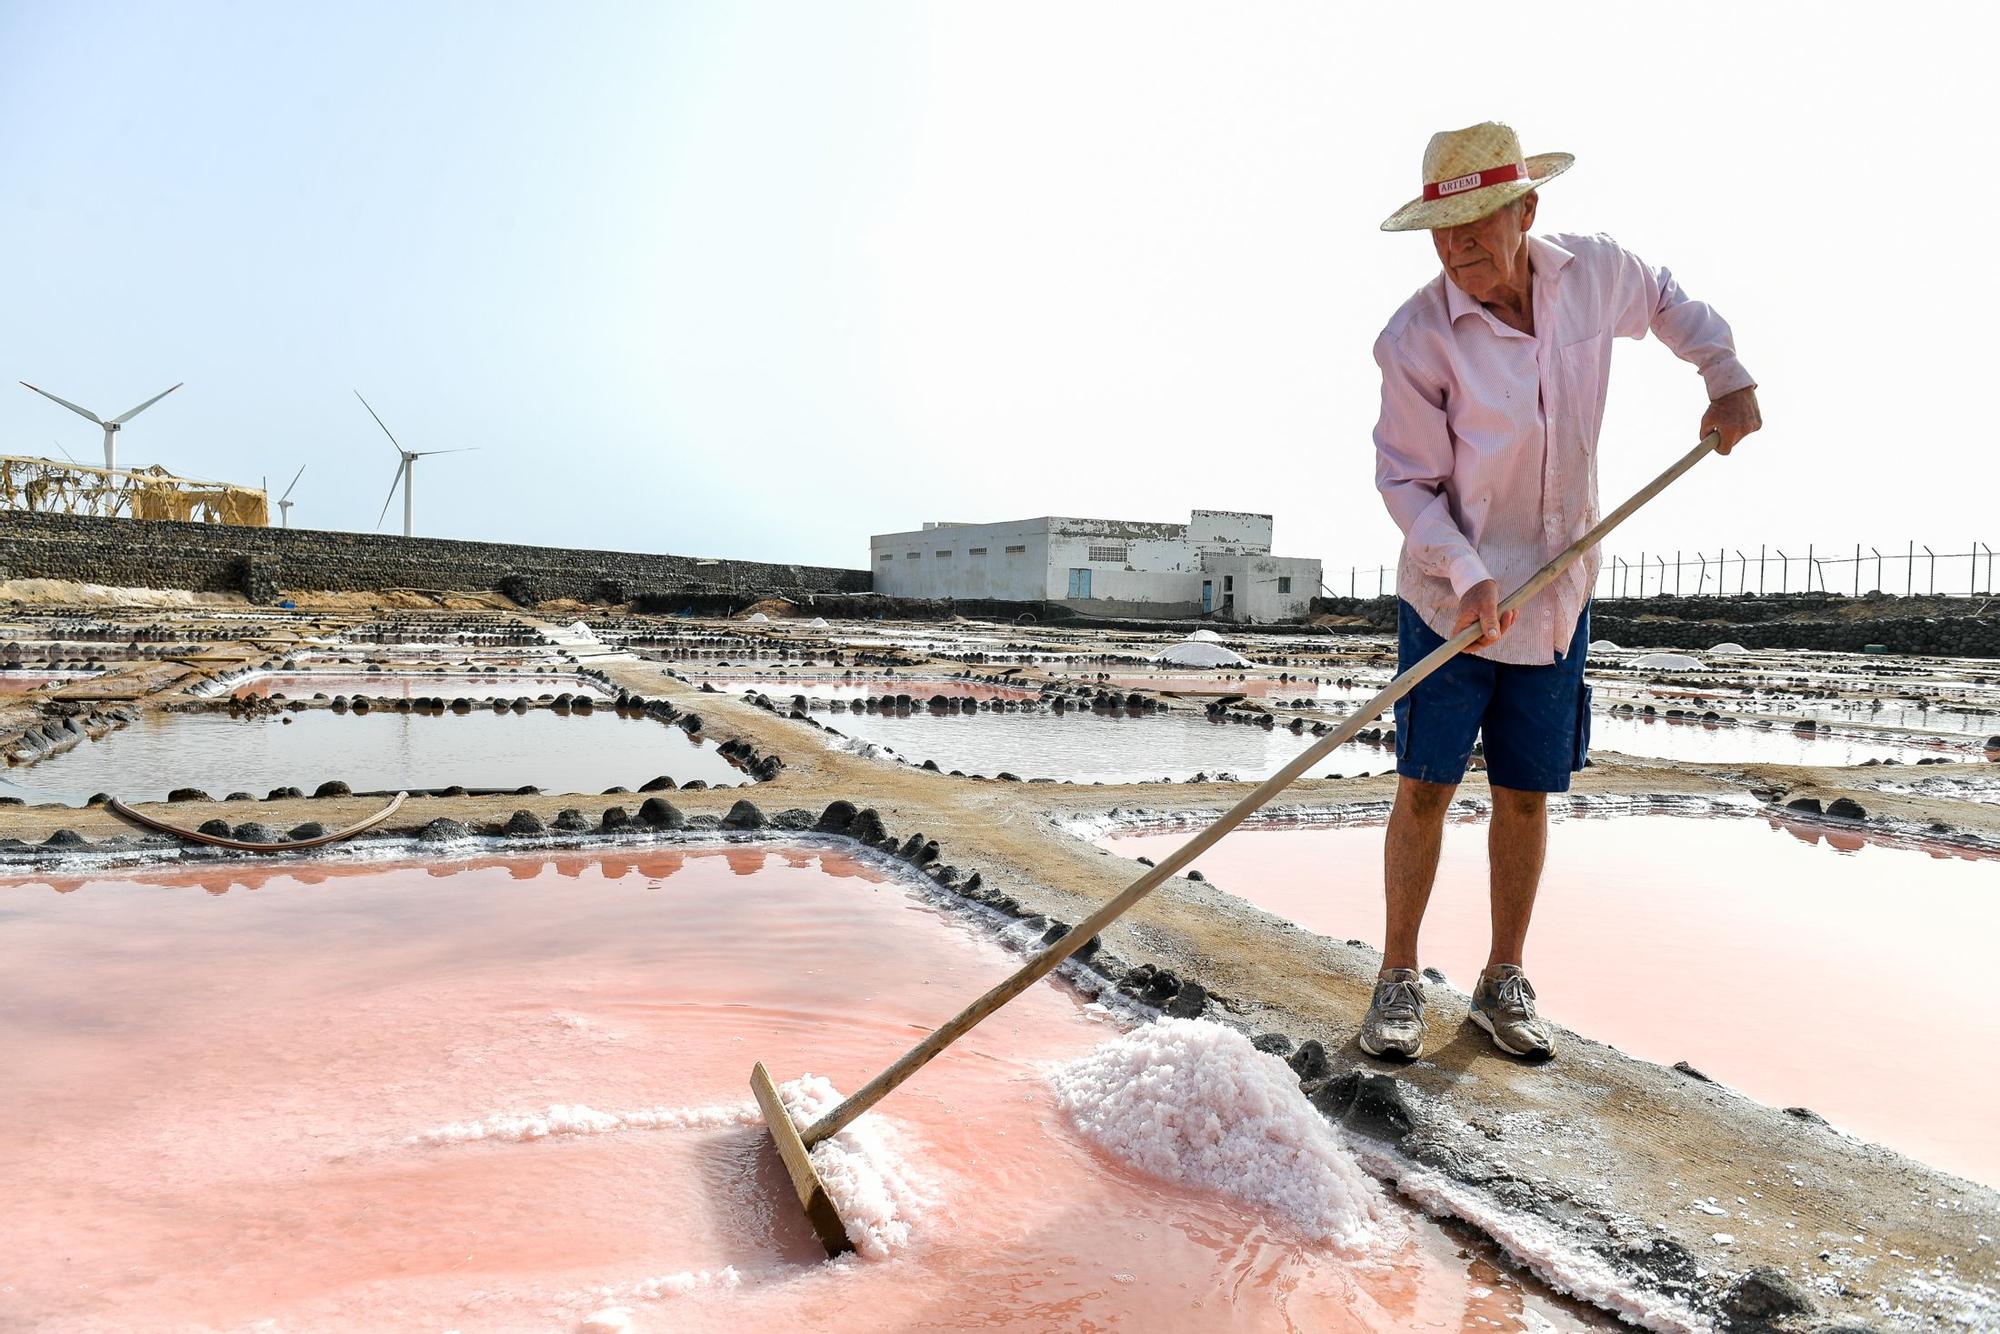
<point>1735,415</point>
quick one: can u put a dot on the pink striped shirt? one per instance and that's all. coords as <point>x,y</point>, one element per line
<point>1486,451</point>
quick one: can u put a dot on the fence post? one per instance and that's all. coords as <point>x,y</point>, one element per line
<point>1812,565</point>
<point>1677,574</point>
<point>1933,556</point>
<point>1910,570</point>
<point>1760,569</point>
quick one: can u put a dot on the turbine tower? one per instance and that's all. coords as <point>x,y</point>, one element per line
<point>403,468</point>
<point>285,502</point>
<point>110,427</point>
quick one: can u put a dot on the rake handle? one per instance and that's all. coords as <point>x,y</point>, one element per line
<point>1045,962</point>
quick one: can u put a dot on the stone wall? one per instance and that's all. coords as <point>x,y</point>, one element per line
<point>1951,627</point>
<point>263,562</point>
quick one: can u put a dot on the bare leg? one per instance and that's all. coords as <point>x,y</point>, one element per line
<point>1515,844</point>
<point>1410,863</point>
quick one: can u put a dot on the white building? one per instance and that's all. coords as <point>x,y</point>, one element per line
<point>1218,562</point>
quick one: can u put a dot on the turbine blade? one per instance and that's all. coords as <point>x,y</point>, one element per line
<point>426,453</point>
<point>379,422</point>
<point>82,412</point>
<point>65,453</point>
<point>392,489</point>
<point>119,421</point>
<point>295,481</point>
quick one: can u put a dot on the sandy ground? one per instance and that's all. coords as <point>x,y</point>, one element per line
<point>1599,1152</point>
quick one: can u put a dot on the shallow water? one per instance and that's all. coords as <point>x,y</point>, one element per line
<point>1741,743</point>
<point>781,687</point>
<point>19,683</point>
<point>1804,968</point>
<point>1085,746</point>
<point>376,751</point>
<point>505,684</point>
<point>219,1101</point>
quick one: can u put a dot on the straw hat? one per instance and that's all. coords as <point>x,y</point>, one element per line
<point>1471,172</point>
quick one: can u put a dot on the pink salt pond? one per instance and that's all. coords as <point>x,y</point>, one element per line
<point>503,684</point>
<point>1802,967</point>
<point>280,1098</point>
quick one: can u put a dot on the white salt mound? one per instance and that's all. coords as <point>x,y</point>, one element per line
<point>1206,637</point>
<point>866,1169</point>
<point>1196,653</point>
<point>1667,662</point>
<point>1194,1103</point>
<point>582,631</point>
<point>1730,649</point>
<point>817,623</point>
<point>758,616</point>
<point>1604,646</point>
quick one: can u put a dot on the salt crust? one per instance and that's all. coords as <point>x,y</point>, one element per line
<point>1666,662</point>
<point>867,1170</point>
<point>576,1119</point>
<point>1194,1103</point>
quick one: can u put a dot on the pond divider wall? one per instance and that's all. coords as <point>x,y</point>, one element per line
<point>258,562</point>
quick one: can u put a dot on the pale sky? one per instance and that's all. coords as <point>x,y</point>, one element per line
<point>760,279</point>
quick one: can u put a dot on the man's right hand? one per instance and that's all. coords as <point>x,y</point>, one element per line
<point>1481,607</point>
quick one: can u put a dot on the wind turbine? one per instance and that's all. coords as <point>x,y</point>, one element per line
<point>285,502</point>
<point>110,427</point>
<point>403,469</point>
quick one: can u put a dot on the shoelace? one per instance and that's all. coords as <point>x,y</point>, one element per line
<point>1515,996</point>
<point>1398,1000</point>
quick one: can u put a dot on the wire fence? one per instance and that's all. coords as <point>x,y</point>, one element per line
<point>1916,569</point>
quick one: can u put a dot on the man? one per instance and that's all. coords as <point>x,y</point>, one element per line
<point>1493,386</point>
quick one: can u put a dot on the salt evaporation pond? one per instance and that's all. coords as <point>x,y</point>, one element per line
<point>510,1094</point>
<point>421,685</point>
<point>783,687</point>
<point>1744,743</point>
<point>20,683</point>
<point>1086,746</point>
<point>1803,968</point>
<point>377,751</point>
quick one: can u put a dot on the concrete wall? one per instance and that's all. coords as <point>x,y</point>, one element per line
<point>1229,530</point>
<point>1252,585</point>
<point>908,564</point>
<point>1156,571</point>
<point>133,553</point>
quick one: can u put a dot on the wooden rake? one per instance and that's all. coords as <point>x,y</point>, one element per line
<point>795,1143</point>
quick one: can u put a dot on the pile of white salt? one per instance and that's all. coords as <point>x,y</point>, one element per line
<point>1194,1103</point>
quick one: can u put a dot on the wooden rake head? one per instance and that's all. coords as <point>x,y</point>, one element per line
<point>819,1207</point>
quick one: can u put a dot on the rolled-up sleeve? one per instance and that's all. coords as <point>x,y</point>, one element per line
<point>1413,461</point>
<point>1647,299</point>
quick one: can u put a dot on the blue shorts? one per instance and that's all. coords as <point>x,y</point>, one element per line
<point>1536,720</point>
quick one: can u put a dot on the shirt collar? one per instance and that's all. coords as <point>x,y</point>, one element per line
<point>1546,259</point>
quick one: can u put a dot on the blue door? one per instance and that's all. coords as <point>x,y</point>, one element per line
<point>1207,596</point>
<point>1079,583</point>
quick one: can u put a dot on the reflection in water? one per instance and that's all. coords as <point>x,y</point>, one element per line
<point>377,751</point>
<point>214,1102</point>
<point>505,684</point>
<point>1742,743</point>
<point>1086,746</point>
<point>1788,969</point>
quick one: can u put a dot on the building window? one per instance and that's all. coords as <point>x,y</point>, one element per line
<point>1112,555</point>
<point>944,555</point>
<point>1228,583</point>
<point>1284,583</point>
<point>1016,551</point>
<point>975,551</point>
<point>914,555</point>
<point>888,555</point>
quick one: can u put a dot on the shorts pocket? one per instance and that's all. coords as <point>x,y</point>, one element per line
<point>1401,716</point>
<point>1582,755</point>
